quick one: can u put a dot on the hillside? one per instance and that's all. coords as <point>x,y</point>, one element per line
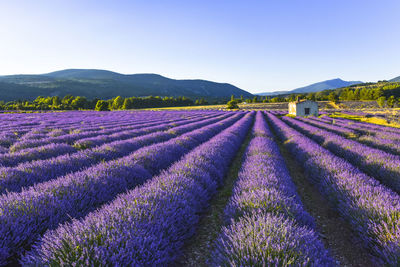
<point>316,87</point>
<point>106,84</point>
<point>397,79</point>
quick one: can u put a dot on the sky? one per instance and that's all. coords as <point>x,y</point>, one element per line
<point>259,46</point>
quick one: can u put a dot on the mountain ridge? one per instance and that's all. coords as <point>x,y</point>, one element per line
<point>104,84</point>
<point>315,87</point>
<point>397,79</point>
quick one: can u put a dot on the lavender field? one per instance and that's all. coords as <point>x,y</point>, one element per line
<point>136,188</point>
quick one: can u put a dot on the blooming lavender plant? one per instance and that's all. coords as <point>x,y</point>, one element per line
<point>372,209</point>
<point>148,225</point>
<point>382,165</point>
<point>25,216</point>
<point>378,138</point>
<point>267,224</point>
<point>27,174</point>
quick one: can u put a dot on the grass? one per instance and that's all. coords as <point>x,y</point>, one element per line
<point>189,107</point>
<point>334,105</point>
<point>373,120</point>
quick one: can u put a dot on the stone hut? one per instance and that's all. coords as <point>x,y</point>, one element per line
<point>303,108</point>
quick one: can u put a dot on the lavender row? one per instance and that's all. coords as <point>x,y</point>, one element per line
<point>36,153</point>
<point>387,141</point>
<point>366,128</point>
<point>16,133</point>
<point>372,209</point>
<point>57,149</point>
<point>27,174</point>
<point>65,119</point>
<point>387,144</point>
<point>79,126</point>
<point>125,134</point>
<point>25,216</point>
<point>379,164</point>
<point>46,132</point>
<point>346,132</point>
<point>135,122</point>
<point>265,202</point>
<point>148,225</point>
<point>78,138</point>
<point>86,140</point>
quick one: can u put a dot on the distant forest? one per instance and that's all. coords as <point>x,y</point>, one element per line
<point>385,93</point>
<point>70,102</point>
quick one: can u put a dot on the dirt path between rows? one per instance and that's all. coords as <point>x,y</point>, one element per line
<point>197,250</point>
<point>335,232</point>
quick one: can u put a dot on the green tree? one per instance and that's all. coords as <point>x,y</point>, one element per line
<point>275,100</point>
<point>350,95</point>
<point>377,93</point>
<point>357,94</point>
<point>381,101</point>
<point>232,104</point>
<point>333,97</point>
<point>202,101</point>
<point>67,99</point>
<point>117,103</point>
<point>56,101</point>
<point>101,105</point>
<point>128,104</point>
<point>390,102</point>
<point>311,96</point>
<point>79,102</point>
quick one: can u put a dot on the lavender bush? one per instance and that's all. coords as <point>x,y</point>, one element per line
<point>372,209</point>
<point>382,165</point>
<point>148,225</point>
<point>27,174</point>
<point>25,216</point>
<point>267,224</point>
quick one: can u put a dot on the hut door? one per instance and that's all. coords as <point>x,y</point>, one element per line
<point>306,111</point>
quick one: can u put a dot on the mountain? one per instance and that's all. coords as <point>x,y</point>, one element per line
<point>329,84</point>
<point>274,93</point>
<point>316,87</point>
<point>397,79</point>
<point>105,84</point>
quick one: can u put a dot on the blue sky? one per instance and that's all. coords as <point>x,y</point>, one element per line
<point>258,46</point>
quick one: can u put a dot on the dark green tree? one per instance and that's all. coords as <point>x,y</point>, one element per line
<point>390,102</point>
<point>232,104</point>
<point>56,101</point>
<point>117,103</point>
<point>381,101</point>
<point>101,106</point>
<point>333,97</point>
<point>79,102</point>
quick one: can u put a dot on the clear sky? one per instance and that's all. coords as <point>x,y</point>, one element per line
<point>259,46</point>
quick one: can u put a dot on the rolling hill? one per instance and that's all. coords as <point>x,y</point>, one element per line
<point>105,84</point>
<point>397,79</point>
<point>316,87</point>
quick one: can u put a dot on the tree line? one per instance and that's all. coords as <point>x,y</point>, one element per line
<point>70,102</point>
<point>385,93</point>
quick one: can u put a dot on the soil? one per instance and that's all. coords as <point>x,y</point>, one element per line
<point>334,231</point>
<point>197,250</point>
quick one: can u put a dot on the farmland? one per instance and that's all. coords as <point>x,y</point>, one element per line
<point>198,187</point>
